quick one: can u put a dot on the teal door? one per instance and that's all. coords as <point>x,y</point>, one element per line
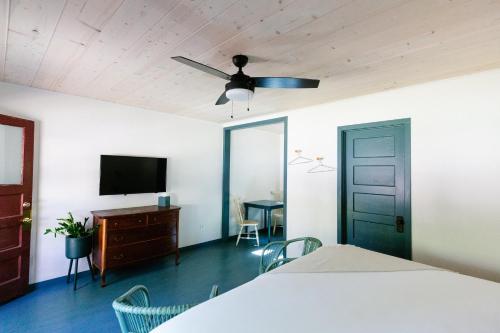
<point>375,163</point>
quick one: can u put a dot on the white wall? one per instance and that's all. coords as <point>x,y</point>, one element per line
<point>72,133</point>
<point>256,168</point>
<point>455,168</point>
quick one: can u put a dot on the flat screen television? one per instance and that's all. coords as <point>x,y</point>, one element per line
<point>130,174</point>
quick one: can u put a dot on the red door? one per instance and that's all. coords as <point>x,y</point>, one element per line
<point>16,182</point>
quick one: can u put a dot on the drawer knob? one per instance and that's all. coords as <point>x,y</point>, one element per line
<point>118,238</point>
<point>118,257</point>
<point>116,224</point>
<point>140,221</point>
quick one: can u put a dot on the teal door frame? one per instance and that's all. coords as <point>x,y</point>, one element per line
<point>341,179</point>
<point>226,165</point>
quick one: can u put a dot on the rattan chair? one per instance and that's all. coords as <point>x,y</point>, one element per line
<point>274,254</point>
<point>135,315</point>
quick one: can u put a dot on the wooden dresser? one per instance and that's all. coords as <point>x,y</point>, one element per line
<point>131,235</point>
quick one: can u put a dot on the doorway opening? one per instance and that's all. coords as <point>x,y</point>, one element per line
<point>254,179</point>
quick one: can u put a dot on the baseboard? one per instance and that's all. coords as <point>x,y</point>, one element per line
<point>60,279</point>
<point>86,274</point>
<point>207,243</point>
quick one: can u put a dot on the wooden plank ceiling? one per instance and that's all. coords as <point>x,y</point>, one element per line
<point>119,50</point>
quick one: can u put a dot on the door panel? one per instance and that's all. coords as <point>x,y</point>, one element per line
<point>375,236</point>
<point>10,204</point>
<point>374,175</point>
<point>10,237</point>
<point>379,204</point>
<point>16,179</point>
<point>374,147</point>
<point>374,198</point>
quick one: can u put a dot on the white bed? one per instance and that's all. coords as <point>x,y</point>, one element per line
<point>347,289</point>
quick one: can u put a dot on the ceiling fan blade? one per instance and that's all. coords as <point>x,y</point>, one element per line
<point>285,82</point>
<point>203,68</point>
<point>222,99</point>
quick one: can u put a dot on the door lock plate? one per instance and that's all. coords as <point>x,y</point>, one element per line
<point>400,224</point>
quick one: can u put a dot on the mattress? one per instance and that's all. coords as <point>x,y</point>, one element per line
<point>350,290</point>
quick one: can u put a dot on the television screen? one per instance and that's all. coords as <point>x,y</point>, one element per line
<point>129,174</point>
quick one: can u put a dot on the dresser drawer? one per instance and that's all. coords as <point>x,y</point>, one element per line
<point>126,222</point>
<point>124,237</point>
<point>162,217</point>
<point>157,218</point>
<point>118,256</point>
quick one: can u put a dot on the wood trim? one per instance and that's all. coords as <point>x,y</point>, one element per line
<point>285,177</point>
<point>258,123</point>
<point>226,165</point>
<point>104,247</point>
<point>341,234</point>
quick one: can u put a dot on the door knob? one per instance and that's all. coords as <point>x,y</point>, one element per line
<point>400,224</point>
<point>26,221</point>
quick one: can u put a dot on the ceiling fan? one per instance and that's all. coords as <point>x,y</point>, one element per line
<point>241,86</point>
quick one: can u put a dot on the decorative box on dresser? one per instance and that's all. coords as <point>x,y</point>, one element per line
<point>130,235</point>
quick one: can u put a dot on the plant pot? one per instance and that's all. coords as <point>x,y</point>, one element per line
<point>78,247</point>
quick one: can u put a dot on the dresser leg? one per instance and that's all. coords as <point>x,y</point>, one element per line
<point>177,257</point>
<point>91,268</point>
<point>103,278</point>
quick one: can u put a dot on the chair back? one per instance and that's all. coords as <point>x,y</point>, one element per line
<point>271,253</point>
<point>135,315</point>
<point>277,195</point>
<point>311,244</point>
<point>238,211</point>
<point>274,254</point>
<point>214,292</point>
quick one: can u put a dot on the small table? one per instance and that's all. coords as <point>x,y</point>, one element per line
<point>267,206</point>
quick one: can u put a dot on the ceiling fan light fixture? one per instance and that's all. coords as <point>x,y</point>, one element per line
<point>239,94</point>
<point>240,87</point>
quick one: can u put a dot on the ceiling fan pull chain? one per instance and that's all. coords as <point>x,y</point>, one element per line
<point>248,100</point>
<point>232,107</point>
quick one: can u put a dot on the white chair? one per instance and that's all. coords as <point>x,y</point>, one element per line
<point>277,216</point>
<point>245,224</point>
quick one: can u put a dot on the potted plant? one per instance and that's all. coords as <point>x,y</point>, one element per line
<point>78,236</point>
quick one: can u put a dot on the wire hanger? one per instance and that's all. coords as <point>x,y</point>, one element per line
<point>299,159</point>
<point>321,167</point>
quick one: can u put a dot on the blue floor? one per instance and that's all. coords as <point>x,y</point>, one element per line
<point>53,306</point>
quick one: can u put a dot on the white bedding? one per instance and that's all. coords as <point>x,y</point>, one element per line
<point>348,258</point>
<point>411,298</point>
